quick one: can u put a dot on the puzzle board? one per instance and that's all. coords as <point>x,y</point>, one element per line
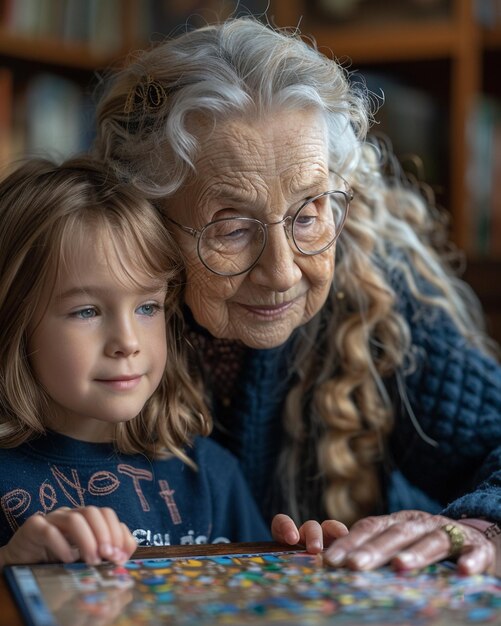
<point>269,588</point>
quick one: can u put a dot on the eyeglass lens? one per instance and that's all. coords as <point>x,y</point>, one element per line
<point>232,246</point>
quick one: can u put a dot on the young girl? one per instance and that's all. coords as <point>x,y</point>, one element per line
<point>100,424</point>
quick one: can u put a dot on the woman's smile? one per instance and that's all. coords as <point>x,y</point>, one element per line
<point>268,311</point>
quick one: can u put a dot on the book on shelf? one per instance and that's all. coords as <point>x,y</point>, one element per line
<point>5,116</point>
<point>482,176</point>
<point>53,118</point>
<point>495,247</point>
<point>488,13</point>
<point>95,23</point>
<point>412,120</point>
<point>159,19</point>
<point>379,11</point>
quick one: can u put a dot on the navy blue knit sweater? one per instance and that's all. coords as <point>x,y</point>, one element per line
<point>448,458</point>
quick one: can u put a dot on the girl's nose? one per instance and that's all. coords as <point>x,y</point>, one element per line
<point>123,340</point>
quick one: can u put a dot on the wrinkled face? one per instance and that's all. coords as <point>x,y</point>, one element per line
<point>261,168</point>
<point>98,344</point>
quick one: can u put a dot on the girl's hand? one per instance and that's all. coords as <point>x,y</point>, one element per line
<point>413,539</point>
<point>312,535</point>
<point>89,533</point>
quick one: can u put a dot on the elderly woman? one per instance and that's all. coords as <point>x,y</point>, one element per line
<point>339,353</point>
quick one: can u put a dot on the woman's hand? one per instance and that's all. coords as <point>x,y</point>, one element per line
<point>311,534</point>
<point>89,533</point>
<point>413,539</point>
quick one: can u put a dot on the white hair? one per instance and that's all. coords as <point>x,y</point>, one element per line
<point>240,67</point>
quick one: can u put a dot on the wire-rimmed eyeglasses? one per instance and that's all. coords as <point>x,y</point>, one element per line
<point>233,245</point>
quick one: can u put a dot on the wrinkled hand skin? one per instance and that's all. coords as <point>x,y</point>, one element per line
<point>409,540</point>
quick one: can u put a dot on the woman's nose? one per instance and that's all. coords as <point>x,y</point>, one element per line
<point>277,268</point>
<point>123,339</point>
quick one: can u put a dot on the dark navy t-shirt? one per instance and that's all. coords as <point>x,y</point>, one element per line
<point>162,502</point>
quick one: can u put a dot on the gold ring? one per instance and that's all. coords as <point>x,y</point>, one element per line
<point>456,538</point>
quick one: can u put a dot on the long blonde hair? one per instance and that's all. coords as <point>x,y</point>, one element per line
<point>44,210</point>
<point>147,121</point>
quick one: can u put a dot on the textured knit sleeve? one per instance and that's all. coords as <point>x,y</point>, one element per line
<point>450,446</point>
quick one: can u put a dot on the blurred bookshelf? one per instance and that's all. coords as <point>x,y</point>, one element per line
<point>52,53</point>
<point>437,63</point>
<point>49,53</point>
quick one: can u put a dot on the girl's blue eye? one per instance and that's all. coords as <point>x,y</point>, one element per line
<point>86,314</point>
<point>148,309</point>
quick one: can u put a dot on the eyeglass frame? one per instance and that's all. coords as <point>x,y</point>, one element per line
<point>194,232</point>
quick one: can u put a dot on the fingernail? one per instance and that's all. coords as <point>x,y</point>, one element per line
<point>468,564</point>
<point>335,558</point>
<point>314,545</point>
<point>405,560</point>
<point>106,550</point>
<point>119,556</point>
<point>360,559</point>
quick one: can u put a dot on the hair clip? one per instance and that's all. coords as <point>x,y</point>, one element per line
<point>149,94</point>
